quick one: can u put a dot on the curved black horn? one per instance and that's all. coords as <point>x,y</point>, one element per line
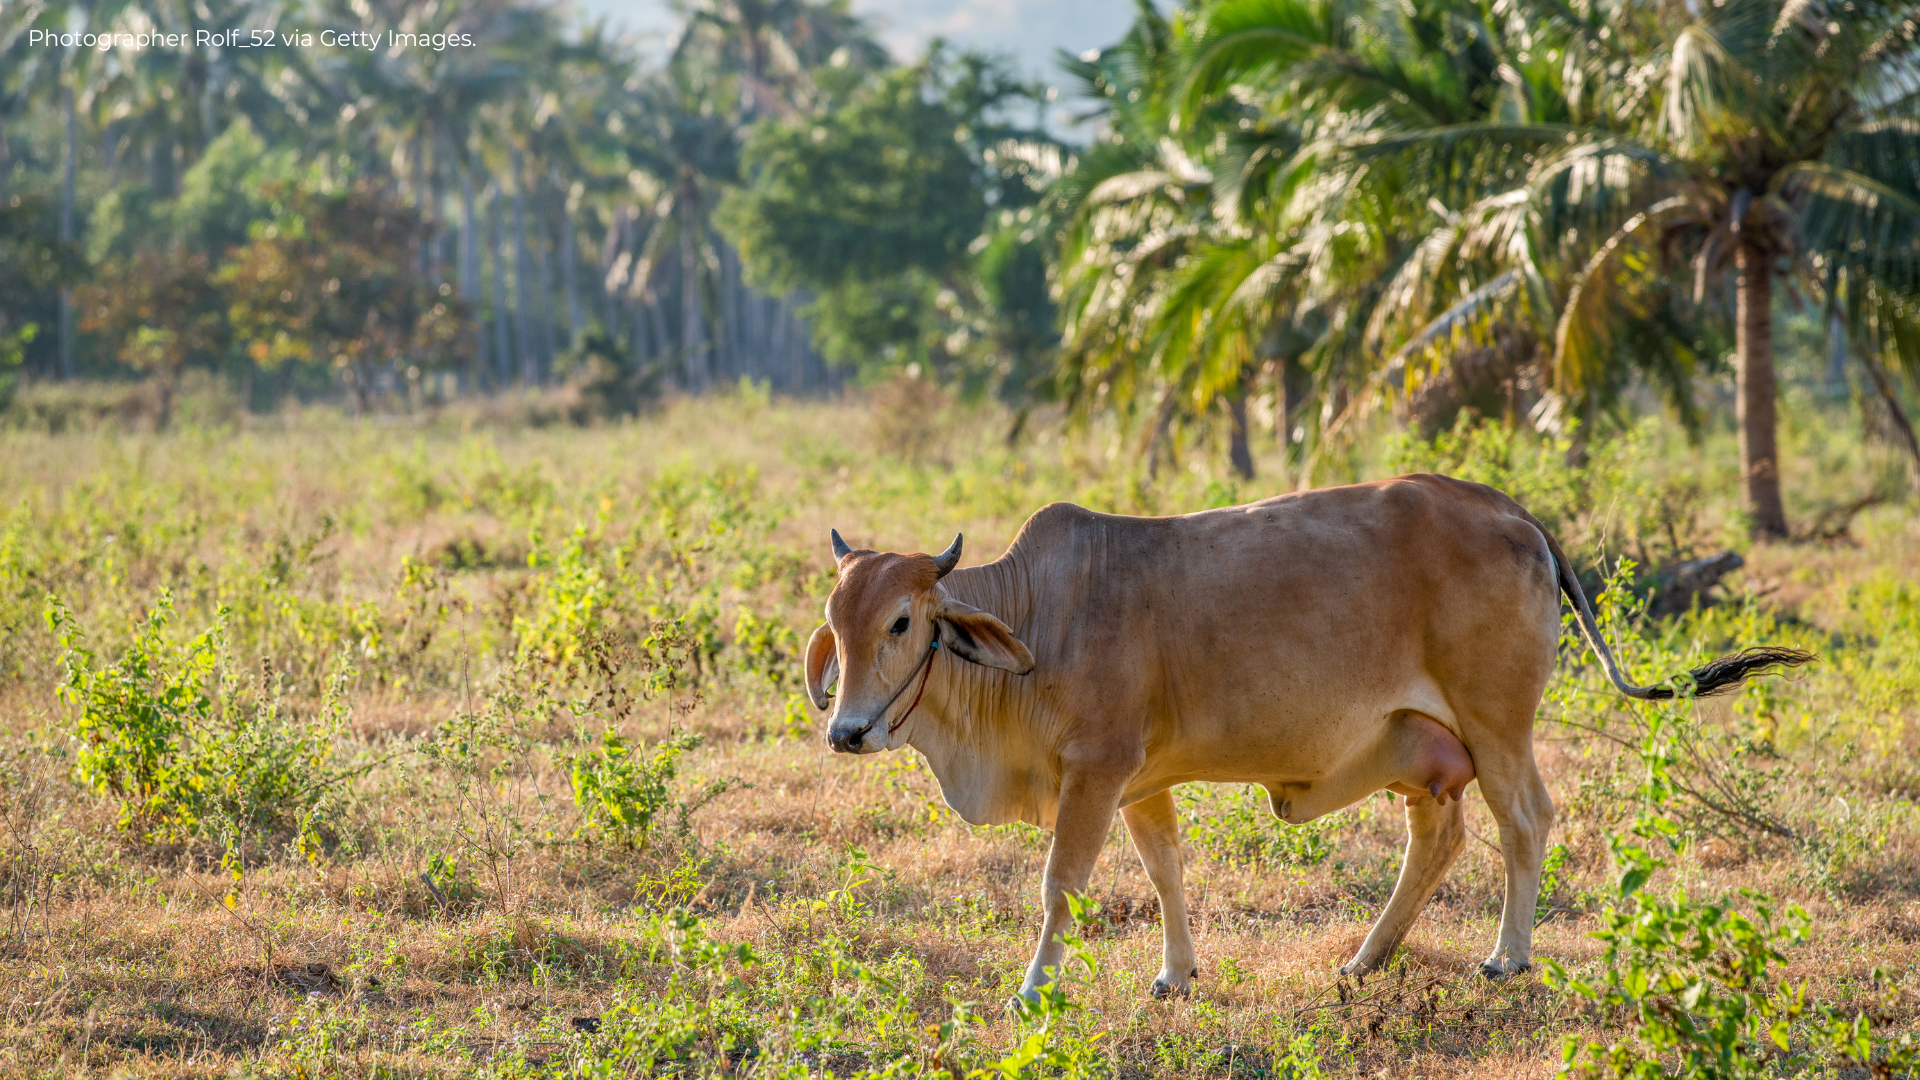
<point>840,548</point>
<point>949,558</point>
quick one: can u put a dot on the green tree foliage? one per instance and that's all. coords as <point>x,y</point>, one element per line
<point>908,211</point>
<point>33,262</point>
<point>1677,164</point>
<point>156,308</point>
<point>220,197</point>
<point>1518,209</point>
<point>878,188</point>
<point>329,279</point>
<point>1304,210</point>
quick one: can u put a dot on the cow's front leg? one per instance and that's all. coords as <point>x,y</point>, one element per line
<point>1155,827</point>
<point>1087,803</point>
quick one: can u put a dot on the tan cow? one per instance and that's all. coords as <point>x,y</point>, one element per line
<point>1325,645</point>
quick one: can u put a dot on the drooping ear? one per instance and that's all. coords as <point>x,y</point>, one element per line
<point>975,635</point>
<point>823,666</point>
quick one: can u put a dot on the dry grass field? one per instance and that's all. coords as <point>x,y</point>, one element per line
<point>469,749</point>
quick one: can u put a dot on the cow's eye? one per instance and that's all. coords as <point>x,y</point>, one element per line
<point>900,625</point>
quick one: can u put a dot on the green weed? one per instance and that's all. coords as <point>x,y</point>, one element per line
<point>620,792</point>
<point>169,732</point>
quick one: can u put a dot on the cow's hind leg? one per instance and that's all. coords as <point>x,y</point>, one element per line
<point>1514,792</point>
<point>1155,827</point>
<point>1435,834</point>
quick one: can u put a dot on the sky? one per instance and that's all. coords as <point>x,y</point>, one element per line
<point>1027,30</point>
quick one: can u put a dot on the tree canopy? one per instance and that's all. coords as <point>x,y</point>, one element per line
<point>1313,211</point>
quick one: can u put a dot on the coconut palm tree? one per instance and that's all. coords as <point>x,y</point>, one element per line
<point>693,149</point>
<point>1433,119</point>
<point>1736,146</point>
<point>1135,203</point>
<point>1280,238</point>
<point>774,46</point>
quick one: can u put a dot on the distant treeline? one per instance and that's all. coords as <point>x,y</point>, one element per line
<point>1279,214</point>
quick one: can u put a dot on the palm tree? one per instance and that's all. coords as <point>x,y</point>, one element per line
<point>693,150</point>
<point>1767,141</point>
<point>1755,140</point>
<point>1783,144</point>
<point>1252,245</point>
<point>1439,107</point>
<point>774,46</point>
<point>1135,204</point>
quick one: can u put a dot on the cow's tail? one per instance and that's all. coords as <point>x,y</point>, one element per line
<point>1714,677</point>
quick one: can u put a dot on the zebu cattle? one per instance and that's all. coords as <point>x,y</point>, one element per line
<point>1325,645</point>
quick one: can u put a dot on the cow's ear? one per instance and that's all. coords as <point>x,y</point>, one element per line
<point>975,635</point>
<point>823,666</point>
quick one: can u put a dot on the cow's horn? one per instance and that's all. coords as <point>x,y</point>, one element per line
<point>840,548</point>
<point>949,558</point>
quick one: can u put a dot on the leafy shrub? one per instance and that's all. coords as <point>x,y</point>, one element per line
<point>135,716</point>
<point>1695,981</point>
<point>573,593</point>
<point>184,744</point>
<point>622,792</point>
<point>765,649</point>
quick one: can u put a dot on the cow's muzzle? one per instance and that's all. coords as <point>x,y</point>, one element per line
<point>854,740</point>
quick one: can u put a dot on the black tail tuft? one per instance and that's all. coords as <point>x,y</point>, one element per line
<point>1727,673</point>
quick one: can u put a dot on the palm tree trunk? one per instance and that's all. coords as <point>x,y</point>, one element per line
<point>502,347</point>
<point>693,345</point>
<point>777,345</point>
<point>422,205</point>
<point>1237,449</point>
<point>469,256</point>
<point>657,331</point>
<point>1282,426</point>
<point>522,269</point>
<point>66,235</point>
<point>543,258</point>
<point>781,348</point>
<point>1160,443</point>
<point>1755,393</point>
<point>730,312</point>
<point>569,277</point>
<point>637,347</point>
<point>613,298</point>
<point>758,332</point>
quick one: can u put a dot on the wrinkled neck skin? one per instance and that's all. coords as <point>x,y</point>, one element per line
<point>982,729</point>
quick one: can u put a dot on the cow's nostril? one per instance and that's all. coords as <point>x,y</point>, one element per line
<point>853,740</point>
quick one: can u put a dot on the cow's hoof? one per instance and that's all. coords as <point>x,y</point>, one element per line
<point>1498,970</point>
<point>1161,989</point>
<point>1023,1002</point>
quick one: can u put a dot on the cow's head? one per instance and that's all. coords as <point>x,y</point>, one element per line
<point>881,620</point>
